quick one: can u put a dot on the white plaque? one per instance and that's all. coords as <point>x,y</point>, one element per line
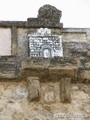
<point>43,44</point>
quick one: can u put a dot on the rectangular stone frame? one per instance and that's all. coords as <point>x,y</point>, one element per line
<point>9,64</point>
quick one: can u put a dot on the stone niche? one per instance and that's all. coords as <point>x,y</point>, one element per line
<point>44,44</point>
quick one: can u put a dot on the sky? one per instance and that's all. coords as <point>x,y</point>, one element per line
<point>75,13</point>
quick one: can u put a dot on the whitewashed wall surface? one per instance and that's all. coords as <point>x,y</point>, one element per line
<point>5,41</point>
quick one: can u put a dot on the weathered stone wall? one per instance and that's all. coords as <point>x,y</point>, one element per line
<point>77,46</point>
<point>22,42</point>
<point>72,39</point>
<point>14,104</point>
<point>37,88</point>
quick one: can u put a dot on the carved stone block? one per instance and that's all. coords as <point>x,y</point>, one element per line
<point>65,90</point>
<point>49,94</point>
<point>48,13</point>
<point>33,88</point>
<point>48,16</point>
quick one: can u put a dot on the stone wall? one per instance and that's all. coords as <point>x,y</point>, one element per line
<point>38,88</point>
<point>14,103</point>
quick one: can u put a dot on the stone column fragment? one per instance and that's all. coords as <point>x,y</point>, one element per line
<point>33,88</point>
<point>14,44</point>
<point>65,90</point>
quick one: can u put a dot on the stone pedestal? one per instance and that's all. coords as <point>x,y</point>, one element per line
<point>65,90</point>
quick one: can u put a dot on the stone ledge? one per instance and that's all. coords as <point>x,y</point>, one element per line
<point>36,23</point>
<point>12,23</point>
<point>30,23</point>
<point>73,30</point>
<point>51,73</point>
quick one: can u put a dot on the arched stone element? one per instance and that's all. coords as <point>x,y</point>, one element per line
<point>47,53</point>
